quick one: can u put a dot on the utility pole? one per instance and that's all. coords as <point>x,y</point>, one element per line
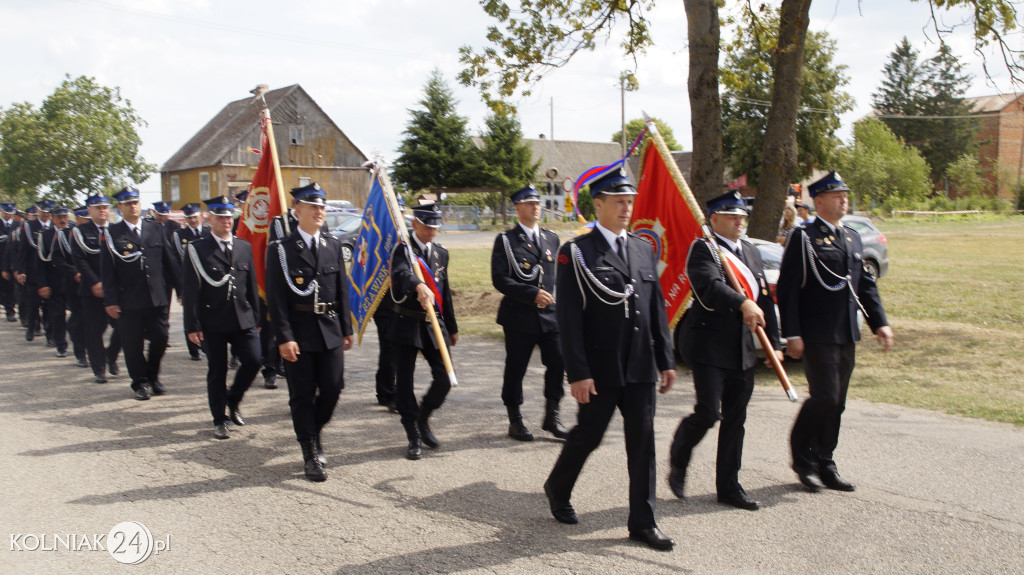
<point>552,117</point>
<point>622,107</point>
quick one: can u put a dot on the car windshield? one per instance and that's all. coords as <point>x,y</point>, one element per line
<point>859,226</point>
<point>349,225</point>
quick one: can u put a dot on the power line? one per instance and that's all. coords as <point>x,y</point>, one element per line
<point>240,29</point>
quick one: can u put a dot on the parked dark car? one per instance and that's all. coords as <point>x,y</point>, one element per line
<point>345,227</point>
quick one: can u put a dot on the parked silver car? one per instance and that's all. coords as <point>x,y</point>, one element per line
<point>876,246</point>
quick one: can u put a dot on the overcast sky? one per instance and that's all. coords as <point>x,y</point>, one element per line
<point>365,63</point>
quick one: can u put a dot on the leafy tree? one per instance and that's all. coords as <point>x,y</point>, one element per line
<point>881,169</point>
<point>747,79</point>
<point>634,127</point>
<point>965,175</point>
<point>539,35</point>
<point>923,103</point>
<point>436,151</point>
<point>504,162</point>
<point>83,138</point>
<point>21,155</point>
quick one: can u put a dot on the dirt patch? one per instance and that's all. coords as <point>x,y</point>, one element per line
<point>476,303</point>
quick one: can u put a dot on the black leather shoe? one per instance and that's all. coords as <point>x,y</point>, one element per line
<point>112,368</point>
<point>220,431</point>
<point>100,379</point>
<point>143,392</point>
<point>29,335</point>
<point>233,364</point>
<point>235,415</point>
<point>562,511</point>
<point>833,481</point>
<point>518,431</point>
<point>270,381</point>
<point>50,342</point>
<point>423,422</point>
<point>11,318</point>
<point>158,388</point>
<point>82,363</point>
<point>739,499</point>
<point>653,538</point>
<point>809,478</point>
<point>61,353</point>
<point>195,358</point>
<point>313,468</point>
<point>677,481</point>
<point>318,448</point>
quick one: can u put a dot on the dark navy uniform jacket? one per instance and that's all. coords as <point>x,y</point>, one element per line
<point>808,309</point>
<point>184,234</point>
<point>518,309</point>
<point>409,315</point>
<point>312,331</point>
<point>718,336</point>
<point>142,283</point>
<point>88,260</point>
<point>58,273</point>
<point>600,340</point>
<point>231,307</point>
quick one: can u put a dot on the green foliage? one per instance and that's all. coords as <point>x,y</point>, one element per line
<point>634,127</point>
<point>964,175</point>
<point>540,35</point>
<point>748,78</point>
<point>504,162</point>
<point>436,151</point>
<point>21,156</point>
<point>923,104</point>
<point>83,139</point>
<point>879,167</point>
<point>586,206</point>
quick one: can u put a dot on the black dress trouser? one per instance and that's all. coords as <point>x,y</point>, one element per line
<point>815,432</point>
<point>136,326</point>
<point>315,381</point>
<point>722,395</point>
<point>246,345</point>
<point>636,402</point>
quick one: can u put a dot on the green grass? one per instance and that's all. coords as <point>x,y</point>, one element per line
<point>954,296</point>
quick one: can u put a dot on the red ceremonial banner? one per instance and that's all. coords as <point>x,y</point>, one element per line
<point>662,217</point>
<point>261,206</point>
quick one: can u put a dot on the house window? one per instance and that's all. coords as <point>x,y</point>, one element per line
<point>204,185</point>
<point>303,182</point>
<point>175,189</point>
<point>295,135</point>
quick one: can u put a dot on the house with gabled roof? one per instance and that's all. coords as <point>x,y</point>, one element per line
<point>221,158</point>
<point>1000,136</point>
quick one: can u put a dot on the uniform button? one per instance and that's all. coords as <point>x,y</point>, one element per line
<point>636,329</point>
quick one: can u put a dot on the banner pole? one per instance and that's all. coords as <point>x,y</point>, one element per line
<point>277,168</point>
<point>684,188</point>
<point>442,345</point>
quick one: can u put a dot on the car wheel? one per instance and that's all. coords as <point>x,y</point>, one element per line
<point>871,266</point>
<point>346,252</point>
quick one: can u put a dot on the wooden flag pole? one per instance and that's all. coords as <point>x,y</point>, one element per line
<point>277,168</point>
<point>403,234</point>
<point>677,176</point>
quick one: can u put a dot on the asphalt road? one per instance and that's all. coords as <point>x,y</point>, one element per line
<point>936,494</point>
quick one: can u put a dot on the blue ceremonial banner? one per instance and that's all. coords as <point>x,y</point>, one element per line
<point>369,274</point>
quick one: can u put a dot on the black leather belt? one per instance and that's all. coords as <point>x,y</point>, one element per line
<point>319,308</point>
<point>415,314</point>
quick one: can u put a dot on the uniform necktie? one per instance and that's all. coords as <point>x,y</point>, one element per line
<point>227,248</point>
<point>622,249</point>
<point>138,231</point>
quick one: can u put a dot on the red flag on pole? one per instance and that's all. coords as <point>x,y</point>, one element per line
<point>740,182</point>
<point>663,217</point>
<point>261,206</point>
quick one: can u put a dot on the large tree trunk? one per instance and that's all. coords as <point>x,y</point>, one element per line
<point>703,33</point>
<point>779,156</point>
